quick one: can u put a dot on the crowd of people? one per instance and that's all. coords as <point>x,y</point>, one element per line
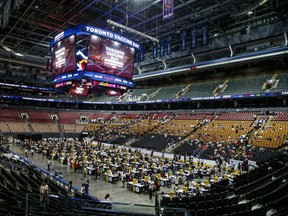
<point>131,164</point>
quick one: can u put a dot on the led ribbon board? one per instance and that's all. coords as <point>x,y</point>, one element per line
<point>91,30</point>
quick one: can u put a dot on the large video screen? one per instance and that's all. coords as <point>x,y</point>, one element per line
<point>110,57</point>
<point>63,56</point>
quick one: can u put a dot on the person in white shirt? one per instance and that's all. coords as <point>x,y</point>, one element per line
<point>123,175</point>
<point>48,164</point>
<point>176,181</point>
<point>107,197</point>
<point>44,193</point>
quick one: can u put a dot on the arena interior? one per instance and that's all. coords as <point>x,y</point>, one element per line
<point>144,107</point>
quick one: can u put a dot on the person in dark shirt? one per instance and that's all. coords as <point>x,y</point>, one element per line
<point>86,187</point>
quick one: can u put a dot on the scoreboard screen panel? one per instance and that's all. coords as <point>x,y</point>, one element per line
<point>110,57</point>
<point>63,56</point>
<point>77,89</point>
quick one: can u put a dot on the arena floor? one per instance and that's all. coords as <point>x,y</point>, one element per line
<point>98,188</point>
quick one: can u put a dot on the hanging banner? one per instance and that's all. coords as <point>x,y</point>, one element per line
<point>194,37</point>
<point>155,50</point>
<point>142,54</point>
<point>169,45</point>
<point>168,9</point>
<point>183,41</point>
<point>162,47</point>
<point>136,57</point>
<point>205,34</point>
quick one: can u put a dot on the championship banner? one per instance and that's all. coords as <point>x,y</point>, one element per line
<point>204,34</point>
<point>168,9</point>
<point>169,45</point>
<point>194,37</point>
<point>155,50</point>
<point>162,47</point>
<point>183,41</point>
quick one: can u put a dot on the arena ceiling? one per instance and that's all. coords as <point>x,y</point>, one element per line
<point>31,27</point>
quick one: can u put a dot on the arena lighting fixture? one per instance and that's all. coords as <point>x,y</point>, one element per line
<point>262,2</point>
<point>19,54</point>
<point>10,50</point>
<point>128,29</point>
<point>164,73</point>
<point>144,76</point>
<point>243,59</point>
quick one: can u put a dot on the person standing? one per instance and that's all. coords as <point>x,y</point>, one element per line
<point>85,170</point>
<point>26,153</point>
<point>69,189</point>
<point>44,193</point>
<point>75,166</point>
<point>82,189</point>
<point>96,171</point>
<point>86,187</point>
<point>49,164</point>
<point>108,197</point>
<point>123,175</point>
<point>56,174</point>
<point>60,176</point>
<point>150,191</point>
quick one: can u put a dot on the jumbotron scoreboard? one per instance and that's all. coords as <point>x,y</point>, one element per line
<point>87,58</point>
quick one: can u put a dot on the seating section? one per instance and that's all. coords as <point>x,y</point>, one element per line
<point>92,127</point>
<point>201,89</point>
<point>224,127</point>
<point>261,191</point>
<point>250,85</point>
<point>139,93</point>
<point>14,127</point>
<point>182,125</point>
<point>242,116</point>
<point>68,117</point>
<point>226,131</point>
<point>282,84</point>
<point>236,81</point>
<point>193,116</point>
<point>273,134</point>
<point>39,116</point>
<point>4,127</point>
<point>101,116</point>
<point>186,148</point>
<point>54,128</point>
<point>152,141</point>
<point>10,115</point>
<point>168,92</point>
<point>42,128</point>
<point>73,128</point>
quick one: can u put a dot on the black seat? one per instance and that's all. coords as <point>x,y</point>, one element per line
<point>191,206</point>
<point>218,211</point>
<point>210,212</point>
<point>226,210</point>
<point>201,212</point>
<point>210,204</point>
<point>201,205</point>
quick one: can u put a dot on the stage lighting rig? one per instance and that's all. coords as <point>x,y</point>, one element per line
<point>128,29</point>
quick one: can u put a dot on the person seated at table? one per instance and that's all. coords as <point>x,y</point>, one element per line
<point>186,184</point>
<point>130,178</point>
<point>176,188</point>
